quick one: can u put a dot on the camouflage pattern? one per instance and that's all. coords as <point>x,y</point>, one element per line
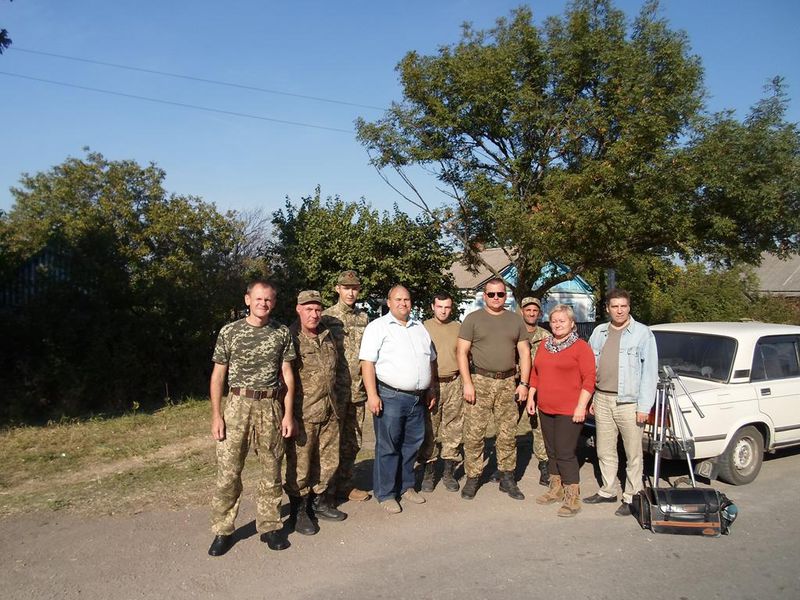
<point>351,424</point>
<point>444,423</point>
<point>527,423</point>
<point>312,455</point>
<point>314,375</point>
<point>249,423</point>
<point>493,398</point>
<point>253,354</point>
<point>347,325</point>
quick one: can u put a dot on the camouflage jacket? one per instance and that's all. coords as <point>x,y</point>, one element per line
<point>347,328</point>
<point>254,355</point>
<point>314,374</point>
<point>536,338</point>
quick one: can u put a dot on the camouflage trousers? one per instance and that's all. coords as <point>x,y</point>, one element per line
<point>493,399</point>
<point>255,423</point>
<point>444,422</point>
<point>312,457</point>
<point>532,423</point>
<point>351,424</point>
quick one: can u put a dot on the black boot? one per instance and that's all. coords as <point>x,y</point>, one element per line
<point>427,479</point>
<point>276,539</point>
<point>509,486</point>
<point>544,474</point>
<point>325,510</point>
<point>220,545</point>
<point>448,477</point>
<point>495,477</point>
<point>302,520</point>
<point>470,488</point>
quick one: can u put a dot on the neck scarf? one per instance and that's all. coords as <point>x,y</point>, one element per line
<point>553,346</point>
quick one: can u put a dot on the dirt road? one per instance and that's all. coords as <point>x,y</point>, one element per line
<point>491,547</point>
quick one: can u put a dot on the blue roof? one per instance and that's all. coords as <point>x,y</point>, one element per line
<point>576,285</point>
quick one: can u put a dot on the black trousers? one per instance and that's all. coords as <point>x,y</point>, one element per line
<point>561,440</point>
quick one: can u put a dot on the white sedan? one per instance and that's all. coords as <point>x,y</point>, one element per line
<point>745,377</point>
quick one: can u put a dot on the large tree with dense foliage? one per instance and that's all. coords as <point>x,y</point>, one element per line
<point>584,142</point>
<point>113,288</point>
<point>317,239</point>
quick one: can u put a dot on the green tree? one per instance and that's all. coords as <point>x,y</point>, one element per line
<point>584,143</point>
<point>317,239</point>
<point>5,41</point>
<point>127,287</point>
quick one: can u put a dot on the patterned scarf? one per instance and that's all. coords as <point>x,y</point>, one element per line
<point>554,347</point>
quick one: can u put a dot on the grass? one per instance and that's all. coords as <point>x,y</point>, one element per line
<point>118,465</point>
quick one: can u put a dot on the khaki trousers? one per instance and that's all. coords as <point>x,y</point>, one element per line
<point>613,420</point>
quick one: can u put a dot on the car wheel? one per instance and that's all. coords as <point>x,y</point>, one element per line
<point>741,461</point>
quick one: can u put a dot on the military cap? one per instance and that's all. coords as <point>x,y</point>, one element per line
<point>530,300</point>
<point>348,278</point>
<point>308,296</point>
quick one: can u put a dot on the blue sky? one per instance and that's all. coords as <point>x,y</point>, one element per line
<point>343,51</point>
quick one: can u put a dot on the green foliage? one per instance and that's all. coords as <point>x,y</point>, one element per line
<point>583,142</point>
<point>129,285</point>
<point>318,239</point>
<point>664,292</point>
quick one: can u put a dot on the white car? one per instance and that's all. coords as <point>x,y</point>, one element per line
<point>745,378</point>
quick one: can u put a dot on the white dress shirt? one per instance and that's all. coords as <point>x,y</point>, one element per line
<point>402,352</point>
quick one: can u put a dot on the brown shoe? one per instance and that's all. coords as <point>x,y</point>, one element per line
<point>411,495</point>
<point>555,492</point>
<point>357,495</point>
<point>572,501</point>
<point>391,506</point>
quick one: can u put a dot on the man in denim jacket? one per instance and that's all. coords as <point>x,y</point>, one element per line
<point>627,374</point>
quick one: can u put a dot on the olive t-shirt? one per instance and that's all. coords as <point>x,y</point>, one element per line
<point>445,338</point>
<point>608,364</point>
<point>494,338</point>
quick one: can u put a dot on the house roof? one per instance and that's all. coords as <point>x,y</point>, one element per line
<point>780,277</point>
<point>470,281</point>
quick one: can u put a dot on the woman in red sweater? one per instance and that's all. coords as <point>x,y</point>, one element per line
<point>562,381</point>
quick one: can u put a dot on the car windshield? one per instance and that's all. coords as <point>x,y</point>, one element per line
<point>696,355</point>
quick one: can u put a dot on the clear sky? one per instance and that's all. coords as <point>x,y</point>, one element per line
<point>344,51</point>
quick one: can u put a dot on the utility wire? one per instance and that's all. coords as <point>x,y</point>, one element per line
<point>192,78</point>
<point>181,104</point>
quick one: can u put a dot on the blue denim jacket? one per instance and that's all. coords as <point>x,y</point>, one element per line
<point>638,363</point>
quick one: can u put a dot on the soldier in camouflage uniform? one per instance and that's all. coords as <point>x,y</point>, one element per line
<point>346,323</point>
<point>254,353</point>
<point>487,342</point>
<point>445,419</point>
<point>531,309</point>
<point>313,454</point>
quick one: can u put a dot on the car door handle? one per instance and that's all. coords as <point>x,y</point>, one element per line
<point>766,392</point>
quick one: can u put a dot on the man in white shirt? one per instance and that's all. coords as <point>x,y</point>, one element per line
<point>396,355</point>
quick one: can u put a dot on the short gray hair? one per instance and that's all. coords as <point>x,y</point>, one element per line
<point>566,309</point>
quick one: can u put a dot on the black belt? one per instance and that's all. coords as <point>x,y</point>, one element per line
<point>447,379</point>
<point>255,394</point>
<point>494,374</point>
<point>394,389</point>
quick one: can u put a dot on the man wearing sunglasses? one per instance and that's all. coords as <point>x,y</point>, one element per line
<point>489,342</point>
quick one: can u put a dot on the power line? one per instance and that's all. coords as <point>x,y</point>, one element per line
<point>180,104</point>
<point>192,78</point>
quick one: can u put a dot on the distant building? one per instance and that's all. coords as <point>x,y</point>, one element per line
<point>778,277</point>
<point>575,292</point>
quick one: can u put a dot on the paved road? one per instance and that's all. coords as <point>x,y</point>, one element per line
<point>491,547</point>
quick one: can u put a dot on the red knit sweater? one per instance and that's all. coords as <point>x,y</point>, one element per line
<point>559,377</point>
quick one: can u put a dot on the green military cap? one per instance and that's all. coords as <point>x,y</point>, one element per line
<point>348,278</point>
<point>308,296</point>
<point>530,300</point>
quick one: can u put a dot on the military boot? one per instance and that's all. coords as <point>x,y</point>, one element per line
<point>509,486</point>
<point>300,515</point>
<point>448,477</point>
<point>470,488</point>
<point>323,509</point>
<point>427,479</point>
<point>572,501</point>
<point>544,473</point>
<point>554,494</point>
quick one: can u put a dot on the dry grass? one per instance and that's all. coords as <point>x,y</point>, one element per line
<point>115,465</point>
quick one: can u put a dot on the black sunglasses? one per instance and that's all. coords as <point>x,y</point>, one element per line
<point>496,294</point>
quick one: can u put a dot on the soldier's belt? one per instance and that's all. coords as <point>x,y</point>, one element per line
<point>411,392</point>
<point>447,379</point>
<point>255,394</point>
<point>494,374</point>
